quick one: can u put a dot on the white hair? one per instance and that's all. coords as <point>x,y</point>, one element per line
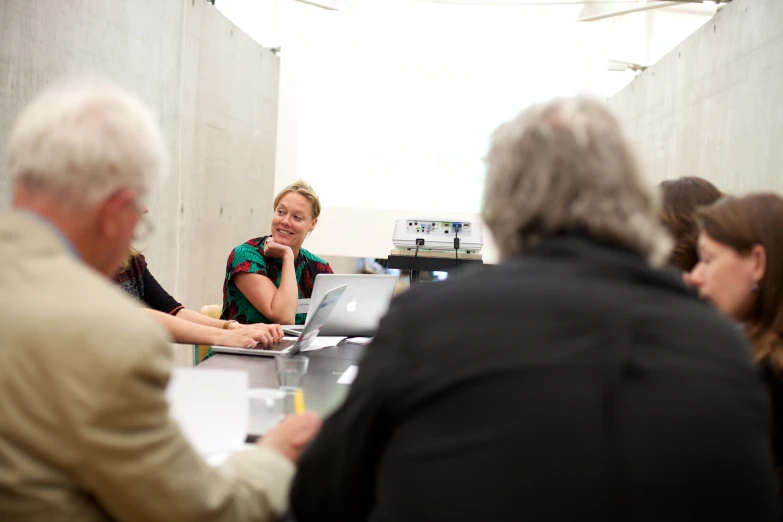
<point>85,140</point>
<point>565,165</point>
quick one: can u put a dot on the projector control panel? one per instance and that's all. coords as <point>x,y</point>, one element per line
<point>433,234</point>
<point>443,228</point>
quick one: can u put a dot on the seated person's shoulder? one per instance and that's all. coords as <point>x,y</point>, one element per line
<point>247,257</point>
<point>488,280</point>
<point>252,245</point>
<point>250,249</point>
<point>703,317</point>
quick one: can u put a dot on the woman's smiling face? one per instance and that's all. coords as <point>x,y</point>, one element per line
<point>293,220</point>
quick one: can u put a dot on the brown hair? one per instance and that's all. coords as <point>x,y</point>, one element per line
<point>681,198</point>
<point>742,223</point>
<point>305,189</point>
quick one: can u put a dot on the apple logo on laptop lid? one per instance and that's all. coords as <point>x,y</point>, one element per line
<point>351,306</point>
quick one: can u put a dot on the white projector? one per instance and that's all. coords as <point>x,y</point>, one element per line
<point>438,235</point>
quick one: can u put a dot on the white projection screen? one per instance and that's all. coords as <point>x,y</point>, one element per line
<point>388,111</point>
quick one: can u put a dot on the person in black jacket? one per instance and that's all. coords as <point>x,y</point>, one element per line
<point>573,381</point>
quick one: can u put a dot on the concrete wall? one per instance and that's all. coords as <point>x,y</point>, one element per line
<point>137,44</point>
<point>713,107</point>
<point>229,134</point>
<point>215,91</point>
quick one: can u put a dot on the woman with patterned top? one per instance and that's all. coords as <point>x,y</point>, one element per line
<point>265,276</point>
<point>186,326</point>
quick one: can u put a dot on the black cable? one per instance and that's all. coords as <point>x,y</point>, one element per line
<point>456,247</point>
<point>419,242</point>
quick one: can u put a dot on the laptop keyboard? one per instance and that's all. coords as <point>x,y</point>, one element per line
<point>277,347</point>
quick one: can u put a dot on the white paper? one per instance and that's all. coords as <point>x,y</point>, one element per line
<point>360,340</point>
<point>323,342</point>
<point>349,375</point>
<point>211,407</point>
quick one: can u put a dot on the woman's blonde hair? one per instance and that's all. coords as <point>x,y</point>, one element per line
<point>566,166</point>
<point>125,264</point>
<point>305,189</point>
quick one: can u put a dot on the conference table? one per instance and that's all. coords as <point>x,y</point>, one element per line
<point>322,393</point>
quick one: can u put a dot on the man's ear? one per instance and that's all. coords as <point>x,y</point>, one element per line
<point>315,222</point>
<point>112,210</point>
<point>758,257</point>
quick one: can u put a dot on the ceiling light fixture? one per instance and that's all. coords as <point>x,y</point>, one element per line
<point>348,5</point>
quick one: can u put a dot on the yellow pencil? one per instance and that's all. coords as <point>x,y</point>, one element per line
<point>299,402</point>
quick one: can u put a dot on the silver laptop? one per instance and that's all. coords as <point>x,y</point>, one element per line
<point>291,346</point>
<point>363,305</point>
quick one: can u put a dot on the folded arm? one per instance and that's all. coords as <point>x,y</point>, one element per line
<point>278,304</point>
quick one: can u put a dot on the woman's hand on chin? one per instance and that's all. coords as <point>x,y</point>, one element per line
<point>274,249</point>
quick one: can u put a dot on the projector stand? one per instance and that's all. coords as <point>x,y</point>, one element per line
<point>430,261</point>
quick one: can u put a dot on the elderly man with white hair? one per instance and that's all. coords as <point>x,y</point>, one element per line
<point>573,381</point>
<point>84,427</point>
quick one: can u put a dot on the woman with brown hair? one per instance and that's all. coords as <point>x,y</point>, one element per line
<point>681,198</point>
<point>740,272</point>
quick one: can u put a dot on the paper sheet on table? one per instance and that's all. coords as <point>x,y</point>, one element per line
<point>211,407</point>
<point>349,375</point>
<point>323,342</point>
<point>360,340</point>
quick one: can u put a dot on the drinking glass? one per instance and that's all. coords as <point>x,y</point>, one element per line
<point>290,372</point>
<point>266,409</point>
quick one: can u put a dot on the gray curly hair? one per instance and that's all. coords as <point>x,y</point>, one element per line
<point>566,165</point>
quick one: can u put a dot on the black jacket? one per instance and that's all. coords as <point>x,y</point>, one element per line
<point>573,383</point>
